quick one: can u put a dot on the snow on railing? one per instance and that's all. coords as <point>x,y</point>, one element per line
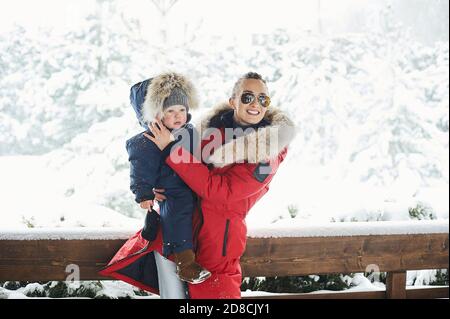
<point>299,228</point>
<point>290,228</point>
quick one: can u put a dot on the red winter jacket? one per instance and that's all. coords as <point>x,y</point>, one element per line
<point>238,174</point>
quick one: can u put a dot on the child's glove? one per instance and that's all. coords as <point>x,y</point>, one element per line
<point>151,225</point>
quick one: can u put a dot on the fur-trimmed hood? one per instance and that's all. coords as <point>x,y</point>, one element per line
<point>257,144</point>
<point>147,97</point>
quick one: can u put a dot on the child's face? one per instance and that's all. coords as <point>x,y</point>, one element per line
<point>174,116</point>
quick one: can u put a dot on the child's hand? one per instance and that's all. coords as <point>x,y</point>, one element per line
<point>158,194</point>
<point>147,204</point>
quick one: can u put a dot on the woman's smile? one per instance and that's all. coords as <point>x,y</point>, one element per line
<point>253,112</point>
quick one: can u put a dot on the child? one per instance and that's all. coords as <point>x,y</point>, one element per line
<point>169,96</point>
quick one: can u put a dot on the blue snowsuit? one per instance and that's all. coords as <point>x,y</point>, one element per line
<point>148,170</point>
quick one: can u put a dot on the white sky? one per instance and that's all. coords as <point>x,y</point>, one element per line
<point>229,17</point>
<point>219,16</point>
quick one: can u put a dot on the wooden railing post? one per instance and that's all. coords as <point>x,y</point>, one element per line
<point>396,285</point>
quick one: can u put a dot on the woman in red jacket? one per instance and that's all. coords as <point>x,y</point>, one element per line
<point>242,144</point>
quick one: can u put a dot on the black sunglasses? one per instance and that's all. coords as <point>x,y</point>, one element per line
<point>248,97</point>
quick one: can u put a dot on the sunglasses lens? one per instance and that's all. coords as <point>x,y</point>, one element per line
<point>247,98</point>
<point>264,100</point>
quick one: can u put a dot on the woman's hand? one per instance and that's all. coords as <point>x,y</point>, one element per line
<point>163,137</point>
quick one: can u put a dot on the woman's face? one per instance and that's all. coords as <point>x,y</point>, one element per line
<point>174,116</point>
<point>252,113</point>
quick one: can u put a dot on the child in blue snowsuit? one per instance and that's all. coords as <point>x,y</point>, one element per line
<point>169,96</point>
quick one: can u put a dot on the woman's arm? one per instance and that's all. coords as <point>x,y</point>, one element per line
<point>239,182</point>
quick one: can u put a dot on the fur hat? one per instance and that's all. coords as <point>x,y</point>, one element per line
<point>165,90</point>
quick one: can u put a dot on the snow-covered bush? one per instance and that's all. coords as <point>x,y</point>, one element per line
<point>82,289</point>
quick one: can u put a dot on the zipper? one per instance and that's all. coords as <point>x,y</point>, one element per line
<point>200,224</point>
<point>225,238</point>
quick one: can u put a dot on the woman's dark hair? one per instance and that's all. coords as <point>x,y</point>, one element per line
<point>249,75</point>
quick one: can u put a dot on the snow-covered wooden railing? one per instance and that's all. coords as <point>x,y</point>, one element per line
<point>392,247</point>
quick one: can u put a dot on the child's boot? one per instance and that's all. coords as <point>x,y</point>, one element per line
<point>188,269</point>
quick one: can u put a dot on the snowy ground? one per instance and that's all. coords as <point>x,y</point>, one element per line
<point>36,195</point>
<point>118,289</point>
<point>33,195</point>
